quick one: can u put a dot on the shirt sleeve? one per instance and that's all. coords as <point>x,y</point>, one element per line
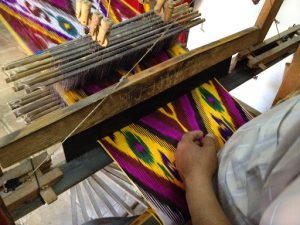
<point>259,162</point>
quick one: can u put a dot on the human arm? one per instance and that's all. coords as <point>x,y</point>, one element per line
<point>196,162</point>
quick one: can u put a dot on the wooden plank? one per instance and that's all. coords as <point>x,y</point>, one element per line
<point>48,195</point>
<point>56,126</point>
<point>20,170</point>
<point>23,168</point>
<point>27,191</point>
<point>274,53</point>
<point>267,16</point>
<point>269,41</point>
<point>291,78</point>
<point>30,189</point>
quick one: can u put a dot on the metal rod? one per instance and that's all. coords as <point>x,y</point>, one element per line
<point>82,203</point>
<point>74,206</point>
<point>42,108</point>
<point>83,49</point>
<point>45,112</point>
<point>29,98</point>
<point>112,194</point>
<point>121,186</point>
<point>105,52</point>
<point>70,43</point>
<point>101,195</point>
<point>69,55</point>
<point>85,66</point>
<point>92,199</point>
<point>33,105</point>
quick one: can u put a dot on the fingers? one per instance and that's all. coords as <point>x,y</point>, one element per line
<point>192,136</point>
<point>211,140</point>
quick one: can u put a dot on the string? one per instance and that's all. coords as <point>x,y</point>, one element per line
<point>121,81</point>
<point>275,21</point>
<point>276,25</point>
<point>108,8</point>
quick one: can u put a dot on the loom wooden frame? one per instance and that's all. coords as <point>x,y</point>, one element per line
<point>54,127</point>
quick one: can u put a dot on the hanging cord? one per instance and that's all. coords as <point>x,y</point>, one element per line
<point>35,175</point>
<point>120,82</point>
<point>276,24</point>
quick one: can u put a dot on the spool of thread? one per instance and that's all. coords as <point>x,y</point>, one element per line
<point>78,8</point>
<point>158,6</point>
<point>95,23</point>
<point>169,8</point>
<point>104,30</point>
<point>85,12</point>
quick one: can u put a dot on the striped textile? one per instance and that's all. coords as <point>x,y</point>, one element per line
<point>145,149</point>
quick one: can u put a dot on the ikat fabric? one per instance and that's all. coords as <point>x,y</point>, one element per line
<point>145,149</point>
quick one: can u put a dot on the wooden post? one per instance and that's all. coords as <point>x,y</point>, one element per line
<point>5,217</point>
<point>159,5</point>
<point>40,183</point>
<point>85,12</point>
<point>104,30</point>
<point>169,7</point>
<point>291,79</point>
<point>94,25</point>
<point>78,8</point>
<point>267,16</point>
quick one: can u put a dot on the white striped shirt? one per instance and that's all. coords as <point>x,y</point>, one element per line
<point>258,180</point>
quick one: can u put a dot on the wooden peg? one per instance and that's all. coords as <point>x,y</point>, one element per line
<point>104,30</point>
<point>78,8</point>
<point>31,188</point>
<point>169,8</point>
<point>85,12</point>
<point>48,195</point>
<point>5,217</point>
<point>159,5</point>
<point>95,23</point>
<point>39,183</point>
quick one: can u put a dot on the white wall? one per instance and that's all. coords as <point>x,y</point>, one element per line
<point>225,17</point>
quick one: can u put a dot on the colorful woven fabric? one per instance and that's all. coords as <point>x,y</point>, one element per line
<point>145,149</point>
<point>46,23</point>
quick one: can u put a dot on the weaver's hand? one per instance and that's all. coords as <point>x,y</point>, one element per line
<point>196,156</point>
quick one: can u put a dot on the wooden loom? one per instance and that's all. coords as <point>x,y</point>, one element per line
<point>53,128</point>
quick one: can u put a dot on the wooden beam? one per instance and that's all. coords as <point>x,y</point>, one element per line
<point>285,47</point>
<point>267,16</point>
<point>30,189</point>
<point>270,41</point>
<point>56,126</point>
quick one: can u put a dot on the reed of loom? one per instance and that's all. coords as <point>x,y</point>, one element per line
<point>68,62</point>
<point>106,46</point>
